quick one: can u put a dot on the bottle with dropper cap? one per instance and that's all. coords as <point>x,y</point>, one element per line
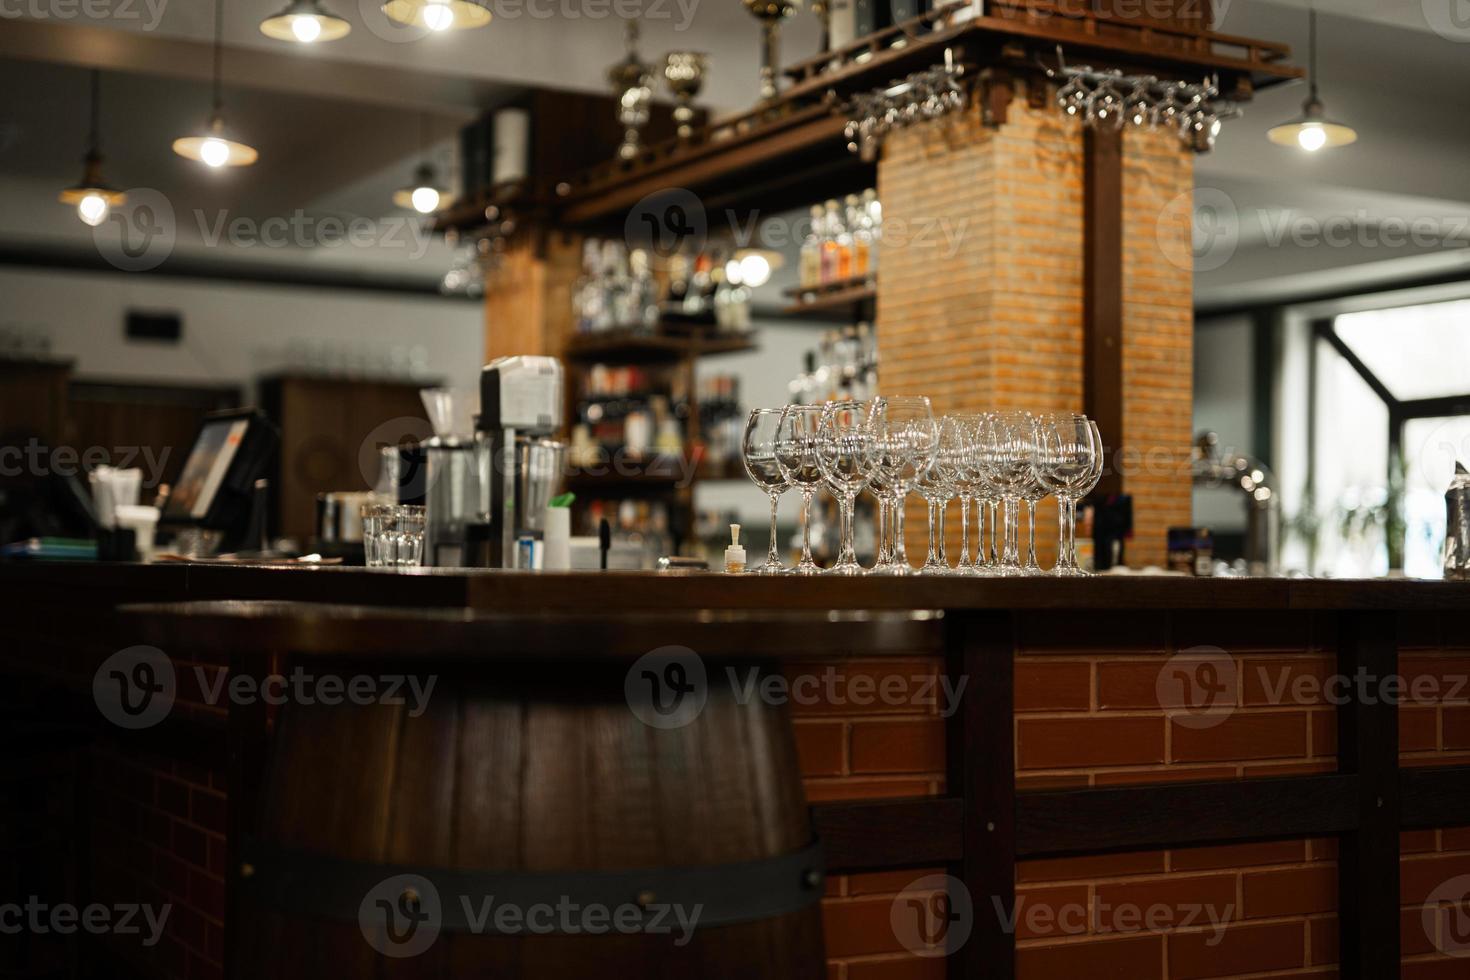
<point>735,554</point>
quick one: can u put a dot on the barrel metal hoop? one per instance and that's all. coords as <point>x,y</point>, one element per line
<point>474,901</point>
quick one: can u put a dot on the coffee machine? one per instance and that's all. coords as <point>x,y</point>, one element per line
<point>521,464</point>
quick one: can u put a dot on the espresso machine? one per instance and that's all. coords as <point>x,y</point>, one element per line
<point>521,403</point>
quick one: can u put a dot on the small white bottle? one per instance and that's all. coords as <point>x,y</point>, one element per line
<point>735,554</point>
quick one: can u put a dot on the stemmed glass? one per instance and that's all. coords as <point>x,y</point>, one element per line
<point>758,451</point>
<point>1069,464</point>
<point>905,436</point>
<point>1031,494</point>
<point>935,484</point>
<point>1007,460</point>
<point>966,469</point>
<point>845,457</point>
<point>878,486</point>
<point>796,456</point>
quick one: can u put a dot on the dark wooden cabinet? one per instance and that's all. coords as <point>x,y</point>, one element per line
<point>33,400</point>
<point>331,429</point>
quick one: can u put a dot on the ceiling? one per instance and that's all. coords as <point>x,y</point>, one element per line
<point>339,125</point>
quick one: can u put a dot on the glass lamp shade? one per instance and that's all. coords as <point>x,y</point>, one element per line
<point>305,22</point>
<point>438,15</point>
<point>1312,131</point>
<point>423,195</point>
<point>214,148</point>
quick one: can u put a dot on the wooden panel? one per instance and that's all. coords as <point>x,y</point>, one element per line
<point>33,400</point>
<point>325,423</point>
<point>144,425</point>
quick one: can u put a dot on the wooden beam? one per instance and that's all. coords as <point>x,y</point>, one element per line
<point>883,834</point>
<point>1102,290</point>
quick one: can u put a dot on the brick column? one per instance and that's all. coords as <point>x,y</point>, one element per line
<point>528,299</point>
<point>980,291</point>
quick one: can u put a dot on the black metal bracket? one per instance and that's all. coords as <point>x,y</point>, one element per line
<point>724,894</point>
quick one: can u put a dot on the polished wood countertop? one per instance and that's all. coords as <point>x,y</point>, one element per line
<point>91,584</point>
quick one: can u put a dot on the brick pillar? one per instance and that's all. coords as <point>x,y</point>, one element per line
<point>980,291</point>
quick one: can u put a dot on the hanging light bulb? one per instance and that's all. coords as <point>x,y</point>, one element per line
<point>214,147</point>
<point>438,15</point>
<point>93,198</point>
<point>305,22</point>
<point>1312,130</point>
<point>424,195</point>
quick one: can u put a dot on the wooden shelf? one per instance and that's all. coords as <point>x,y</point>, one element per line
<point>627,347</point>
<point>847,300</point>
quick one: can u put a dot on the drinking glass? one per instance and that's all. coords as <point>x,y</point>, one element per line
<point>1031,494</point>
<point>882,493</point>
<point>1008,460</point>
<point>905,436</point>
<point>393,535</point>
<point>845,457</point>
<point>758,452</point>
<point>796,455</point>
<point>966,471</point>
<point>1069,464</point>
<point>935,484</point>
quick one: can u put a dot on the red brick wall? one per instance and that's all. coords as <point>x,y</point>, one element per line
<point>1089,713</point>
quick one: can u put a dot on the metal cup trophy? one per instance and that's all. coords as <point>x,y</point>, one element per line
<point>684,71</point>
<point>770,13</point>
<point>632,80</point>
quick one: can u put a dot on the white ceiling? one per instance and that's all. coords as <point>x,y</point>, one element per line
<point>338,124</point>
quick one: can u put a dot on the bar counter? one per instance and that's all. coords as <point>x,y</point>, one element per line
<point>1066,764</point>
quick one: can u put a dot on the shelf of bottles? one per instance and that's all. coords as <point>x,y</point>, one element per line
<point>618,296</point>
<point>839,260</point>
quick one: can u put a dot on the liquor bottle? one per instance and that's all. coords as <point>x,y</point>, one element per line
<point>645,293</point>
<point>585,291</point>
<point>811,251</point>
<point>799,390</point>
<point>678,280</point>
<point>831,228</point>
<point>873,218</point>
<point>862,236</point>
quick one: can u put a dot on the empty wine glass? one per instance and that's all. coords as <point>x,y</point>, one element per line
<point>905,436</point>
<point>966,471</point>
<point>796,455</point>
<point>1031,494</point>
<point>1069,463</point>
<point>845,456</point>
<point>758,451</point>
<point>882,492</point>
<point>1007,460</point>
<point>935,484</point>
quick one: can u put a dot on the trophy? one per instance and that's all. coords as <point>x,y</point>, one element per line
<point>632,80</point>
<point>770,13</point>
<point>684,71</point>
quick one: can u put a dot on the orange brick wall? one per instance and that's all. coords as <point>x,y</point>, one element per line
<point>980,296</point>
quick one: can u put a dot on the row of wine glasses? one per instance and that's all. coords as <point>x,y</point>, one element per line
<point>895,446</point>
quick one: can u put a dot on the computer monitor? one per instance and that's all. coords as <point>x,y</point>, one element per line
<point>232,450</point>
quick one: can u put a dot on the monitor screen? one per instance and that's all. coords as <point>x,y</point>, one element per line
<point>205,470</point>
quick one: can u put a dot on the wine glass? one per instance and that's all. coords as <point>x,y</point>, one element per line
<point>1069,464</point>
<point>905,436</point>
<point>796,456</point>
<point>966,470</point>
<point>758,451</point>
<point>1007,460</point>
<point>882,493</point>
<point>1031,494</point>
<point>845,457</point>
<point>935,484</point>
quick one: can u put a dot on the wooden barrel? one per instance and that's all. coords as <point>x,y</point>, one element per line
<point>527,773</point>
